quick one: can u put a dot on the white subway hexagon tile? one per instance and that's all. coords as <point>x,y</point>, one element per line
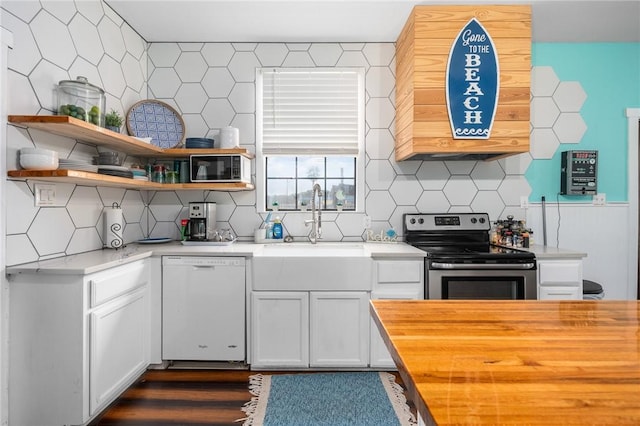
<point>164,54</point>
<point>191,98</point>
<point>165,230</point>
<point>380,82</point>
<point>380,205</point>
<point>325,54</point>
<point>110,195</point>
<point>298,59</point>
<point>135,45</point>
<point>17,138</point>
<point>460,209</point>
<point>512,188</point>
<point>164,82</point>
<point>298,47</point>
<point>218,113</point>
<point>330,232</point>
<point>379,144</point>
<point>53,40</point>
<point>271,54</point>
<point>433,175</point>
<point>132,206</point>
<point>487,175</point>
<point>21,98</point>
<point>86,39</point>
<point>25,10</point>
<point>25,54</point>
<point>83,240</point>
<point>406,167</point>
<point>190,67</point>
<point>133,74</point>
<point>379,174</point>
<point>165,206</point>
<point>516,164</point>
<point>405,190</point>
<point>544,112</point>
<point>460,190</point>
<point>352,46</point>
<point>46,140</point>
<point>19,250</point>
<point>244,47</point>
<point>85,206</point>
<point>460,167</point>
<point>112,76</point>
<point>217,54</point>
<point>544,143</point>
<point>350,225</point>
<point>218,82</point>
<point>244,198</point>
<point>379,54</point>
<point>224,204</point>
<point>63,10</point>
<point>132,232</point>
<point>112,40</point>
<point>243,98</point>
<point>130,97</point>
<point>489,202</point>
<point>433,201</point>
<point>570,127</point>
<point>396,218</point>
<point>190,47</point>
<point>195,126</point>
<point>92,10</point>
<point>246,124</point>
<point>50,239</point>
<point>23,210</point>
<point>43,79</point>
<point>569,96</point>
<point>353,59</point>
<point>544,81</point>
<point>245,220</point>
<point>243,66</point>
<point>380,113</point>
<point>82,67</point>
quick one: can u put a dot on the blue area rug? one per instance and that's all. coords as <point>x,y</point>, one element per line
<point>327,399</point>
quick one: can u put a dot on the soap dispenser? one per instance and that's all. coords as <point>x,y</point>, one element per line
<point>277,229</point>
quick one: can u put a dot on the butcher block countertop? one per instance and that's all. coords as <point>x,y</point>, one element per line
<point>517,362</point>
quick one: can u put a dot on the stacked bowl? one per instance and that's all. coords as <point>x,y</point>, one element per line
<point>192,143</point>
<point>38,159</point>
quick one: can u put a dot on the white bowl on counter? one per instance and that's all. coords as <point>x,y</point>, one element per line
<point>38,159</point>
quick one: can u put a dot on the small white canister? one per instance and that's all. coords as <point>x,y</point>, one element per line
<point>113,227</point>
<point>229,137</point>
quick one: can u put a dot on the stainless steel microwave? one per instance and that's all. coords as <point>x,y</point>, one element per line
<point>220,168</point>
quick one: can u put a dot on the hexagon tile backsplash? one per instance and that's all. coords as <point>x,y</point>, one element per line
<point>213,85</point>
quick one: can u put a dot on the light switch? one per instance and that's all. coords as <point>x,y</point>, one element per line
<point>44,194</point>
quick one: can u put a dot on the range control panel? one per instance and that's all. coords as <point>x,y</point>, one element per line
<point>579,173</point>
<point>446,221</point>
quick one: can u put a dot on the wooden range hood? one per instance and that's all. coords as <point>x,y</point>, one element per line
<point>423,131</point>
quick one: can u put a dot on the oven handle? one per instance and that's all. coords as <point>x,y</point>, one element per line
<point>483,265</point>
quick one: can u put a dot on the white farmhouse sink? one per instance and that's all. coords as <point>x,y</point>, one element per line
<point>306,266</point>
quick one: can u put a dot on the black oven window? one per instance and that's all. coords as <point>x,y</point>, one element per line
<point>478,288</point>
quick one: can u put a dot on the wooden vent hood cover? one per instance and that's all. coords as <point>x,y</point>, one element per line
<point>423,52</point>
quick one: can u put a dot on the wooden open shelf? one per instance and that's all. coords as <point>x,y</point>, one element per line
<point>74,128</point>
<point>84,178</point>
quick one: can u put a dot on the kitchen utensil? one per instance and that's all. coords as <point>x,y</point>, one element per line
<point>158,120</point>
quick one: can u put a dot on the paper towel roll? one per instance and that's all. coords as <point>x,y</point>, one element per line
<point>229,137</point>
<point>113,227</point>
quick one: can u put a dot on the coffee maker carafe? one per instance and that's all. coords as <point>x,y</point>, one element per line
<point>202,221</point>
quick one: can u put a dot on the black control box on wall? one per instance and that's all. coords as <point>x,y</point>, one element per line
<point>579,173</point>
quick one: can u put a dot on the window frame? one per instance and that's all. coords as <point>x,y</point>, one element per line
<point>360,157</point>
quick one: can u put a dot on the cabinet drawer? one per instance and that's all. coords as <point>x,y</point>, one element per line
<point>560,272</point>
<point>399,271</point>
<point>113,282</point>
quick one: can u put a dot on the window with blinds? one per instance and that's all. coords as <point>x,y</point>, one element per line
<point>310,129</point>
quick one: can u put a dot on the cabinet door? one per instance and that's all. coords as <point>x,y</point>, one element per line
<point>119,346</point>
<point>559,293</point>
<point>560,279</point>
<point>339,329</point>
<point>279,329</point>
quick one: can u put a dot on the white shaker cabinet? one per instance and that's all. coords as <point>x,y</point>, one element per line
<point>77,342</point>
<point>339,329</point>
<point>560,279</point>
<point>397,279</point>
<point>280,329</point>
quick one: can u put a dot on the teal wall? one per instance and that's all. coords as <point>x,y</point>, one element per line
<point>610,75</point>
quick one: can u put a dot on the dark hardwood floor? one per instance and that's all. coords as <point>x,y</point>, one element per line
<point>183,397</point>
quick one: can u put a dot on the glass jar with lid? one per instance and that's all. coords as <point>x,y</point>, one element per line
<point>80,99</point>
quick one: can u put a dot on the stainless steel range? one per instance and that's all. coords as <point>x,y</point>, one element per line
<point>462,264</point>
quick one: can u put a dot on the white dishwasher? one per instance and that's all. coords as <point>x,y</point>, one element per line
<point>203,308</point>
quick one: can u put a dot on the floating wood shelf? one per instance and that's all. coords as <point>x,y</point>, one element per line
<point>74,128</point>
<point>84,178</point>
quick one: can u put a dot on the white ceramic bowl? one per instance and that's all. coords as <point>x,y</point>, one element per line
<point>38,159</point>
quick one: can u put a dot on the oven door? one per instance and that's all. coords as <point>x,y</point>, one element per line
<point>481,283</point>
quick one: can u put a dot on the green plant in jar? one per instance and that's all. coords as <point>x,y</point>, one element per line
<point>113,119</point>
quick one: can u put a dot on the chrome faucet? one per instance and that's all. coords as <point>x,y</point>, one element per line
<point>316,215</point>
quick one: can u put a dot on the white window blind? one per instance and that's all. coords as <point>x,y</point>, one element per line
<point>312,111</point>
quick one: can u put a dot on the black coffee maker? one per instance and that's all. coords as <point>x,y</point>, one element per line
<point>202,221</point>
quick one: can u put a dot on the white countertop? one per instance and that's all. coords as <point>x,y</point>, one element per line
<point>98,260</point>
<point>548,252</point>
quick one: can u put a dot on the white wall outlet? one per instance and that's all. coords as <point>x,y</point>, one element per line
<point>366,222</point>
<point>44,194</point>
<point>524,202</point>
<point>599,199</point>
